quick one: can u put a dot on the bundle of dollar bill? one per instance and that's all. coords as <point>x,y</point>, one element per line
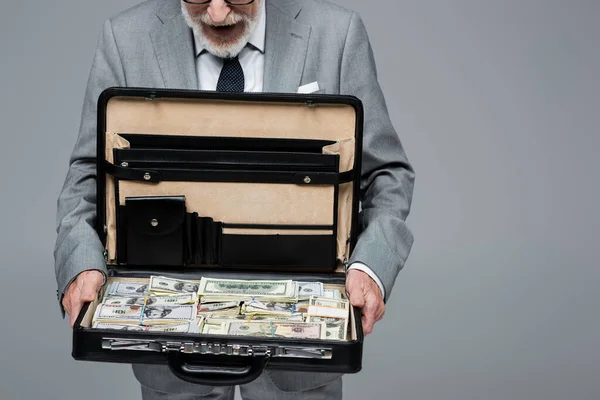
<point>158,304</point>
<point>144,315</point>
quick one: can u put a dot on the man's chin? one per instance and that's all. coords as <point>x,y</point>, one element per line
<point>225,42</point>
<point>224,35</point>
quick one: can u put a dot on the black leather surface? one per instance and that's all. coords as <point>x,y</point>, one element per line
<point>285,251</point>
<point>137,171</point>
<point>203,240</point>
<point>219,159</point>
<point>225,143</point>
<point>154,230</point>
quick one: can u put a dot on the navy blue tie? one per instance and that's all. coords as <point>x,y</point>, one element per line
<point>232,76</point>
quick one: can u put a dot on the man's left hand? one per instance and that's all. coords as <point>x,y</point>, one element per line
<point>365,294</point>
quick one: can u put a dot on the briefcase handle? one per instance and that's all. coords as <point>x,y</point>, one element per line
<point>244,370</point>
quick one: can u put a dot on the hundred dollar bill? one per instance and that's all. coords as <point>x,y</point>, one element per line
<point>332,294</point>
<point>147,315</point>
<point>271,307</point>
<point>241,298</point>
<point>154,315</point>
<point>335,303</point>
<point>178,299</point>
<point>106,313</point>
<point>215,318</point>
<point>183,328</point>
<point>269,318</point>
<point>335,328</point>
<point>123,327</point>
<point>308,289</point>
<point>332,308</point>
<point>230,312</point>
<point>162,284</point>
<point>247,288</point>
<point>299,330</point>
<point>127,288</point>
<point>213,328</point>
<point>306,330</point>
<point>212,307</point>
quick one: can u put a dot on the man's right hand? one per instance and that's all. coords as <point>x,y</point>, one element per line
<point>82,290</point>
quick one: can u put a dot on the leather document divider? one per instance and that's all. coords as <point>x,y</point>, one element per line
<point>289,251</point>
<point>155,230</point>
<point>225,143</point>
<point>203,240</point>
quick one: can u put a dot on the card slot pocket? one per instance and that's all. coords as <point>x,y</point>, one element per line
<point>156,141</point>
<point>227,160</point>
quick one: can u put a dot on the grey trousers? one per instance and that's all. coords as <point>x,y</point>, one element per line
<point>158,383</point>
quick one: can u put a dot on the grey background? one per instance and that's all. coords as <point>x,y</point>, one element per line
<point>497,104</point>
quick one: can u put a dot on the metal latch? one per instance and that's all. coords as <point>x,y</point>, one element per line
<point>217,349</point>
<point>258,351</point>
<point>131,344</point>
<point>304,352</point>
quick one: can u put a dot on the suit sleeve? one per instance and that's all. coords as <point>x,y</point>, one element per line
<point>78,247</point>
<point>387,178</point>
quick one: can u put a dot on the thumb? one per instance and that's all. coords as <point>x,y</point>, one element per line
<point>357,298</point>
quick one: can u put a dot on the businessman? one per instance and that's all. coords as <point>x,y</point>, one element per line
<point>253,46</point>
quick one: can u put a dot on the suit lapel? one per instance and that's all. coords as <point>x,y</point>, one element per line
<point>286,45</point>
<point>174,48</point>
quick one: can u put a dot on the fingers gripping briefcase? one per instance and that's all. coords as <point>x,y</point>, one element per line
<point>198,185</point>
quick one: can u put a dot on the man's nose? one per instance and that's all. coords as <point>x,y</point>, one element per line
<point>218,10</point>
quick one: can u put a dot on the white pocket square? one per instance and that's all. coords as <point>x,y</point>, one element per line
<point>309,88</point>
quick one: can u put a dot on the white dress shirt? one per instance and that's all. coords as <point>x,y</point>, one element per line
<point>252,60</point>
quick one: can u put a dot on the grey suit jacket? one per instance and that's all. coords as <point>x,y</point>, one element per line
<point>150,45</point>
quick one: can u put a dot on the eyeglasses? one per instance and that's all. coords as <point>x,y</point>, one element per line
<point>230,2</point>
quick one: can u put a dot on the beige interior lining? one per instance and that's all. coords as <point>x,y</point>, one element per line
<point>113,141</point>
<point>230,118</point>
<point>288,204</point>
<point>249,203</point>
<point>345,149</point>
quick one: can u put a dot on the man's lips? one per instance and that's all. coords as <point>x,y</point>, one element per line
<point>224,32</point>
<point>222,27</point>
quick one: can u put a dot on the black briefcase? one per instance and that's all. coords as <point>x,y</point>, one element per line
<point>196,184</point>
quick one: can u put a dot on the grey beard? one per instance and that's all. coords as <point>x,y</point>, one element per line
<point>228,50</point>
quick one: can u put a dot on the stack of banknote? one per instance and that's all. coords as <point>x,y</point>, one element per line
<point>266,308</point>
<point>159,304</point>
